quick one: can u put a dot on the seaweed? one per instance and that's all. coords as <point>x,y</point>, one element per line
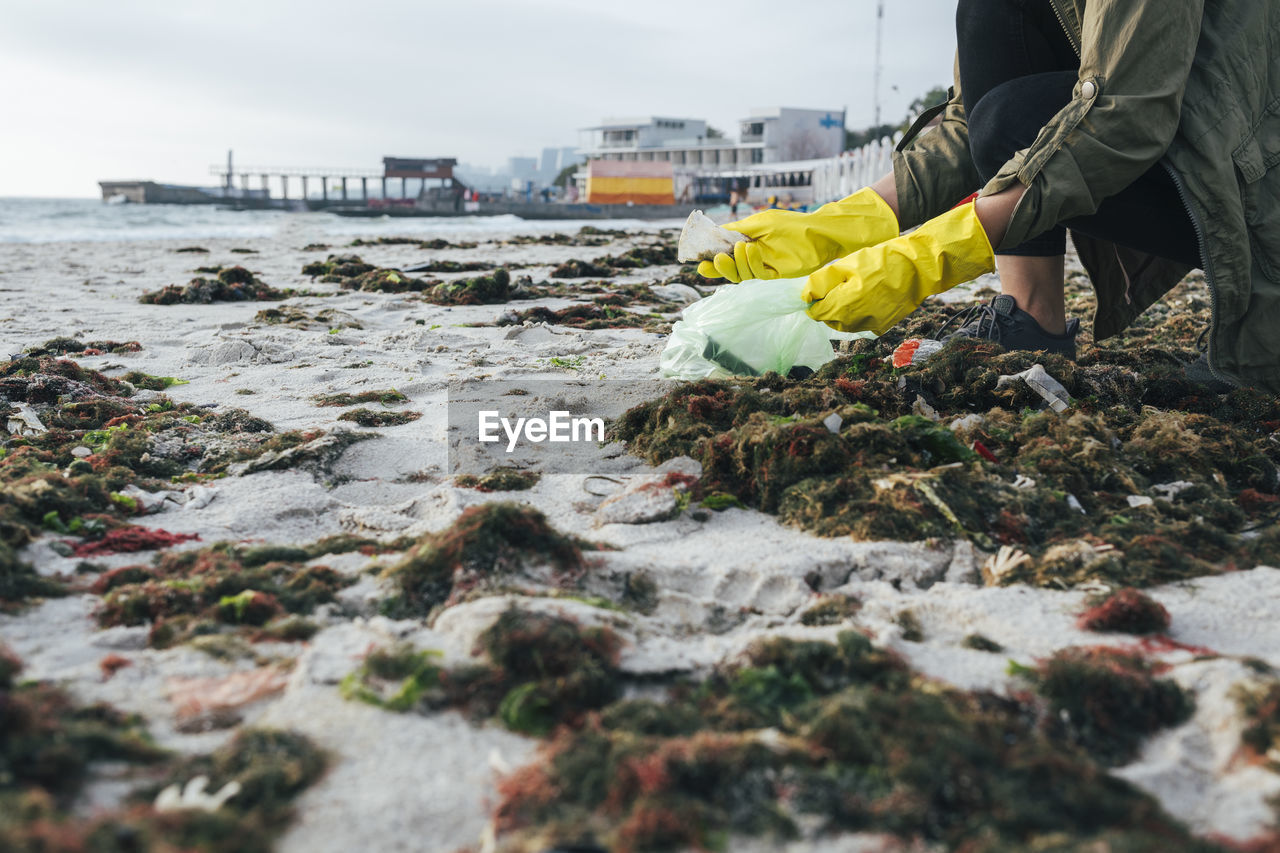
<point>504,479</point>
<point>388,397</point>
<point>480,290</point>
<point>831,610</point>
<point>370,418</point>
<point>1259,703</point>
<point>1128,611</point>
<point>1107,700</point>
<point>1115,489</point>
<point>233,284</point>
<point>803,738</point>
<point>486,541</point>
<point>190,592</point>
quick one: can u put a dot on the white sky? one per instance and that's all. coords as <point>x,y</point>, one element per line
<point>120,89</point>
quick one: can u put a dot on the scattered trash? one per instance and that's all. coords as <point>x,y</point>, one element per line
<point>915,351</point>
<point>26,421</point>
<point>701,239</point>
<point>833,422</point>
<point>747,330</point>
<point>1039,380</point>
<point>677,292</point>
<point>1136,501</point>
<point>192,796</point>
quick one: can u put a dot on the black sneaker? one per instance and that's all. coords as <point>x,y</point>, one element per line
<point>1002,321</point>
<point>1198,373</point>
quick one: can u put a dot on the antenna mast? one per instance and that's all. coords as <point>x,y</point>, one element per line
<point>879,65</point>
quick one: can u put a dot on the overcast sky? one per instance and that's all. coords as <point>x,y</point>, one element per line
<point>162,88</point>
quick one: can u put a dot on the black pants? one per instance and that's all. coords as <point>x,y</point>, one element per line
<point>1017,70</point>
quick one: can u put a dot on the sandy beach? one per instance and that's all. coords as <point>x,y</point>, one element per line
<point>715,581</point>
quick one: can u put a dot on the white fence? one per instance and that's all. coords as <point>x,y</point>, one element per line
<point>844,175</point>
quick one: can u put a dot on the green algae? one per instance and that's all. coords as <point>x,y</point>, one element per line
<point>1107,700</point>
<point>340,266</point>
<point>389,397</point>
<point>396,678</point>
<point>371,418</point>
<point>503,479</point>
<point>1259,704</point>
<point>806,737</point>
<point>831,610</point>
<point>485,542</point>
<point>232,284</point>
<point>184,593</point>
<point>480,290</point>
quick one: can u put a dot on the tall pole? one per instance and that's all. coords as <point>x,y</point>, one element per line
<point>879,67</point>
<point>230,172</point>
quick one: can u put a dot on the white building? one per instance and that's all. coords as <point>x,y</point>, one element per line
<point>770,135</point>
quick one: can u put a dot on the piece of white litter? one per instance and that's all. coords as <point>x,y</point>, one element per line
<point>701,239</point>
<point>1169,491</point>
<point>27,421</point>
<point>1136,501</point>
<point>1074,503</point>
<point>1039,380</point>
<point>922,408</point>
<point>682,294</point>
<point>192,796</point>
<point>833,423</point>
<point>1001,563</point>
<point>968,422</point>
<point>81,452</point>
<point>1022,481</point>
<point>201,497</point>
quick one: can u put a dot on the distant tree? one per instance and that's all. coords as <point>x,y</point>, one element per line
<point>714,133</point>
<point>858,138</point>
<point>566,175</point>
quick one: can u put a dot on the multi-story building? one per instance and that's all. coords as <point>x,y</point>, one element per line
<point>771,135</point>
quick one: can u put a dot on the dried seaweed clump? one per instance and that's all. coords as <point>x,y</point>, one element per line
<point>807,739</point>
<point>389,397</point>
<point>233,284</point>
<point>75,346</point>
<point>1107,700</point>
<point>831,610</point>
<point>337,267</point>
<point>480,290</point>
<point>589,317</point>
<point>1260,705</point>
<point>487,541</point>
<point>1128,611</point>
<point>191,593</point>
<point>371,418</point>
<point>503,479</point>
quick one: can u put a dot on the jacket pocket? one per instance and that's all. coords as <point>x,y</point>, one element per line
<point>1255,159</point>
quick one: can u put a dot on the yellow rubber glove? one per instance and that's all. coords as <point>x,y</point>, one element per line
<point>876,287</point>
<point>788,244</point>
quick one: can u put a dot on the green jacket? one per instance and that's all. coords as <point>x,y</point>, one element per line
<point>1193,85</point>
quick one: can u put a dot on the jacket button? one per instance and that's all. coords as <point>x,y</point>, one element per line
<point>1088,90</point>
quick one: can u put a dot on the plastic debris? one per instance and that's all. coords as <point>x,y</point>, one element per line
<point>192,796</point>
<point>701,239</point>
<point>1136,501</point>
<point>749,329</point>
<point>681,293</point>
<point>833,422</point>
<point>26,421</point>
<point>914,351</point>
<point>1039,380</point>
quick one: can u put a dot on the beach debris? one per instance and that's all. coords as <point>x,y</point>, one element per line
<point>193,796</point>
<point>74,346</point>
<point>1039,380</point>
<point>1259,703</point>
<point>980,643</point>
<point>451,266</point>
<point>657,497</point>
<point>24,421</point>
<point>682,294</point>
<point>914,351</point>
<point>194,250</point>
<point>340,267</point>
<point>435,243</point>
<point>288,315</point>
<point>701,239</point>
<point>1000,564</point>
<point>199,697</point>
<point>831,610</point>
<point>387,397</point>
<point>833,422</point>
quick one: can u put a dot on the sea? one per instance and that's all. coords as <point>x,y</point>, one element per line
<point>52,220</point>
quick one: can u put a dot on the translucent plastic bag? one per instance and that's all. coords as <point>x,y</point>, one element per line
<point>748,329</point>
